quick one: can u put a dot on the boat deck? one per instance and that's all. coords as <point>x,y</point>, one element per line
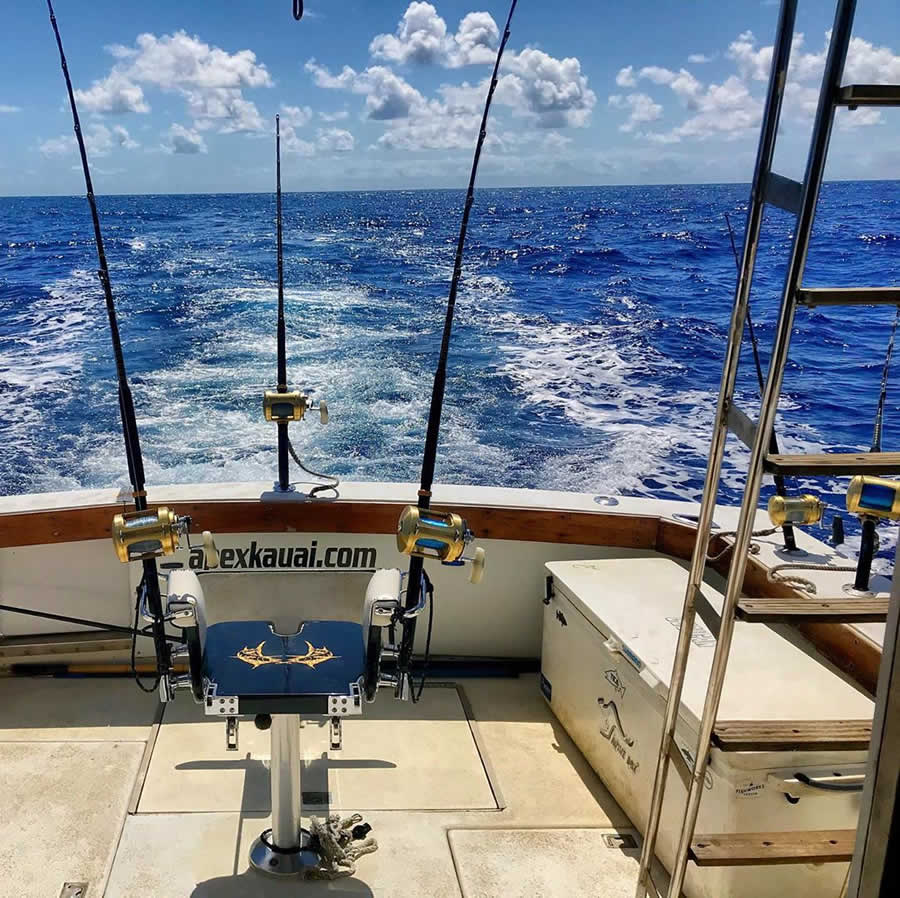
<point>475,792</point>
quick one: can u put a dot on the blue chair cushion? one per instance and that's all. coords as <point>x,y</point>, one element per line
<point>284,674</point>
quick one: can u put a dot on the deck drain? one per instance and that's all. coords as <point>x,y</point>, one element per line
<point>622,841</point>
<point>316,797</point>
<point>74,890</point>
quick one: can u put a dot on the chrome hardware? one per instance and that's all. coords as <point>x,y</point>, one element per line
<point>335,734</point>
<point>231,734</point>
<point>346,705</point>
<point>220,705</point>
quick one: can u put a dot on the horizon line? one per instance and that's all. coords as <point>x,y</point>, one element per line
<point>431,189</point>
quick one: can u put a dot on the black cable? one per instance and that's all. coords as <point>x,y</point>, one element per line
<point>134,671</point>
<point>429,592</point>
<point>322,487</point>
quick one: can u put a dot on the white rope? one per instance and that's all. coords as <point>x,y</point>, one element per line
<point>338,850</point>
<point>754,547</point>
<point>773,575</point>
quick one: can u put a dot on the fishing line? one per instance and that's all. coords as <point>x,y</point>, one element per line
<point>429,456</point>
<point>790,543</point>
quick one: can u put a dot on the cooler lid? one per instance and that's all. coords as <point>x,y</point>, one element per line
<point>637,600</point>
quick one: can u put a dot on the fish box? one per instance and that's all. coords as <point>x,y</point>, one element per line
<point>609,638</point>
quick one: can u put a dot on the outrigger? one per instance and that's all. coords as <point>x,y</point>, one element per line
<point>560,693</point>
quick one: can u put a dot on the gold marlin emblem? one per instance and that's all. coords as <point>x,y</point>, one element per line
<point>257,658</point>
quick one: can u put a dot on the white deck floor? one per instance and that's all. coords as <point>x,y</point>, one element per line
<point>477,792</point>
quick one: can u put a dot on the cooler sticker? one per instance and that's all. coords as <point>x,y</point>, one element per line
<point>612,677</point>
<point>609,723</point>
<point>630,656</point>
<point>701,637</point>
<point>749,790</point>
<point>546,688</point>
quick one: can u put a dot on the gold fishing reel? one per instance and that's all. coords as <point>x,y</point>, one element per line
<point>442,535</point>
<point>138,535</point>
<point>291,406</point>
<point>796,510</point>
<point>874,496</point>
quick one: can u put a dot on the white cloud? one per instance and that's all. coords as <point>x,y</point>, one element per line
<point>388,96</point>
<point>210,79</point>
<point>123,138</point>
<point>338,116</point>
<point>553,91</point>
<point>184,140</point>
<point>334,140</point>
<point>115,94</point>
<point>98,140</point>
<point>699,58</point>
<point>422,37</point>
<point>328,140</point>
<point>5,107</point>
<point>734,107</point>
<point>641,109</point>
<point>223,106</point>
<point>178,61</point>
<point>295,116</point>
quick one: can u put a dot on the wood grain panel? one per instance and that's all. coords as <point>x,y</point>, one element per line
<point>760,849</point>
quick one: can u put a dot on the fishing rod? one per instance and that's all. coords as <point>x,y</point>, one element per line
<point>282,405</point>
<point>879,412</point>
<point>787,529</point>
<point>423,533</point>
<point>143,534</point>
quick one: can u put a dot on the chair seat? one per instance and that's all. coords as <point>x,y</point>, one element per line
<point>295,674</point>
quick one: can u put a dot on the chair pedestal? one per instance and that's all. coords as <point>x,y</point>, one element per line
<point>284,850</point>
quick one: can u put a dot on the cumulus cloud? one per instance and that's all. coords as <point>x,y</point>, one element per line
<point>388,96</point>
<point>210,79</point>
<point>553,91</point>
<point>98,140</point>
<point>5,107</point>
<point>422,37</point>
<point>225,107</point>
<point>698,58</point>
<point>327,140</point>
<point>295,116</point>
<point>115,94</point>
<point>184,140</point>
<point>338,116</point>
<point>641,109</point>
<point>179,60</point>
<point>733,107</point>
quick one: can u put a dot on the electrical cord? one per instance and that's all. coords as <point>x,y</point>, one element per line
<point>429,592</point>
<point>322,487</point>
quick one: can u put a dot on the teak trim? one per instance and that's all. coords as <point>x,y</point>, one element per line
<point>845,646</point>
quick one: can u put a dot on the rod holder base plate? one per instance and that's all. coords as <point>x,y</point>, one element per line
<point>266,858</point>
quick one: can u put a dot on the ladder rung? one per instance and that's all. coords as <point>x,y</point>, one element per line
<point>821,846</point>
<point>834,464</point>
<point>783,192</point>
<point>848,296</point>
<point>854,95</point>
<point>741,425</point>
<point>793,611</point>
<point>792,735</point>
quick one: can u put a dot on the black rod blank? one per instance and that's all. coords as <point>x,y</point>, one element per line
<point>126,402</point>
<point>283,475</point>
<point>429,455</point>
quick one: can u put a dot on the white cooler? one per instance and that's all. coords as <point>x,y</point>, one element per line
<point>610,633</point>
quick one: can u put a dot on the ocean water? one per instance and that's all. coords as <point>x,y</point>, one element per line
<point>586,355</point>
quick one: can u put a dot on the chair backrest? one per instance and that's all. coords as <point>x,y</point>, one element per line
<point>384,586</point>
<point>184,585</point>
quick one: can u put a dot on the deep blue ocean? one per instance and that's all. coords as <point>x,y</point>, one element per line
<point>588,346</point>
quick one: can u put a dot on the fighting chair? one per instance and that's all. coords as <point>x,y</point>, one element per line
<point>324,669</point>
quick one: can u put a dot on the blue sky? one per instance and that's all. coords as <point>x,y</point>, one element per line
<point>181,96</point>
